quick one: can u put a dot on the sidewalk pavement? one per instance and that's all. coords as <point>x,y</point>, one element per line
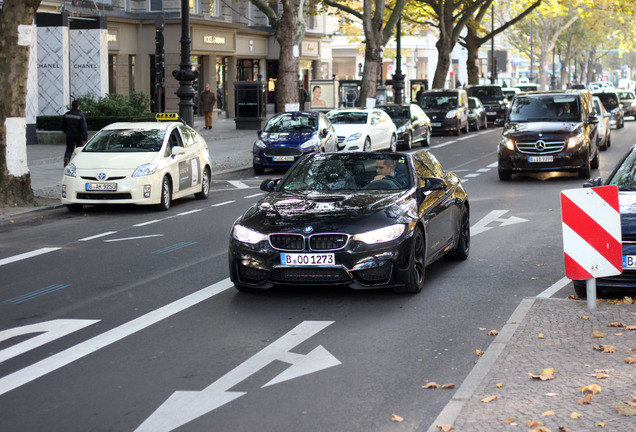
<point>541,334</point>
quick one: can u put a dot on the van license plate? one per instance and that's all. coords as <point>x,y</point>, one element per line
<point>541,159</point>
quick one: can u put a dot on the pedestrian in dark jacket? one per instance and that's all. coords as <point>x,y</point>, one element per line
<point>74,126</point>
<point>207,101</point>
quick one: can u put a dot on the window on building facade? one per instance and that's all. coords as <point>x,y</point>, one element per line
<point>155,5</point>
<point>194,6</point>
<point>248,69</point>
<point>112,73</point>
<point>131,73</point>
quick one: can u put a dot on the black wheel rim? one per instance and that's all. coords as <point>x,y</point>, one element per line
<point>418,257</point>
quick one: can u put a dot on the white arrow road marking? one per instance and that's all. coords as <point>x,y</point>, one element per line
<point>184,406</point>
<point>238,184</point>
<point>494,216</point>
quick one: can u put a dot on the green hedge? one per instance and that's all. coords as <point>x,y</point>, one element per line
<point>54,123</point>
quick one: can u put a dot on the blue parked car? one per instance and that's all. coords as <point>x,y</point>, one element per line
<point>623,176</point>
<point>290,135</point>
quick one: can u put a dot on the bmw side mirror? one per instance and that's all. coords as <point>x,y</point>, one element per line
<point>269,185</point>
<point>593,182</point>
<point>433,183</point>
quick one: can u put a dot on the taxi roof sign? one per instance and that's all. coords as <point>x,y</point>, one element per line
<point>167,117</point>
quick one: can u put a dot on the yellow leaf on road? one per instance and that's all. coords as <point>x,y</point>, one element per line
<point>592,388</point>
<point>509,420</point>
<point>493,333</point>
<point>479,352</point>
<point>448,386</point>
<point>597,334</point>
<point>585,317</point>
<point>575,415</point>
<point>541,336</point>
<point>547,414</point>
<point>489,399</point>
<point>600,424</point>
<point>396,418</point>
<point>499,385</point>
<point>532,423</point>
<point>617,324</point>
<point>432,385</point>
<point>586,400</point>
<point>446,428</point>
<point>547,371</point>
<point>630,360</point>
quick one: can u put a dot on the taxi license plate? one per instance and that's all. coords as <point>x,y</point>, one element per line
<point>283,158</point>
<point>308,259</point>
<point>629,261</point>
<point>108,187</point>
<point>436,124</point>
<point>541,159</point>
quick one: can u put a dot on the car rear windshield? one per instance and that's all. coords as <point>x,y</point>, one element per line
<point>292,123</point>
<point>397,112</point>
<point>348,117</point>
<point>485,92</point>
<point>545,108</point>
<point>625,177</point>
<point>348,171</point>
<point>626,96</point>
<point>471,103</point>
<point>439,101</point>
<point>610,100</point>
<point>126,140</point>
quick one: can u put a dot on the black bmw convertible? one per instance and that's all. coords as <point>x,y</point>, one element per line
<point>359,219</point>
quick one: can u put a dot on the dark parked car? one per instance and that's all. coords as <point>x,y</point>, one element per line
<point>628,99</point>
<point>623,176</point>
<point>494,101</point>
<point>358,219</point>
<point>550,131</point>
<point>604,131</point>
<point>613,105</point>
<point>413,125</point>
<point>447,109</point>
<point>476,114</point>
<point>288,136</point>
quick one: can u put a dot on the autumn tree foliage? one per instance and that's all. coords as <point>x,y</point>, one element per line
<point>378,20</point>
<point>15,16</point>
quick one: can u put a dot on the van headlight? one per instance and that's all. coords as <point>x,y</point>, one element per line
<point>576,140</point>
<point>507,143</point>
<point>452,113</point>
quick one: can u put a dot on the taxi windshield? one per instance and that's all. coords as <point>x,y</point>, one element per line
<point>126,140</point>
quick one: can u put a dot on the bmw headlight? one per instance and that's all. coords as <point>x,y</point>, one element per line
<point>381,235</point>
<point>311,143</point>
<point>355,136</point>
<point>246,235</point>
<point>452,113</point>
<point>260,144</point>
<point>144,170</point>
<point>70,170</point>
<point>576,140</point>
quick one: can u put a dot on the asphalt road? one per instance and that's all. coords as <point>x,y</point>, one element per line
<point>123,318</point>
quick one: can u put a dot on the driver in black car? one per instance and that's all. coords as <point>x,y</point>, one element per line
<point>386,168</point>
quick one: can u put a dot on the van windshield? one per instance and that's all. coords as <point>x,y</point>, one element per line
<point>439,101</point>
<point>545,108</point>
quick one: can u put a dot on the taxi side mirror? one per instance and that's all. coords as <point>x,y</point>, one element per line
<point>176,150</point>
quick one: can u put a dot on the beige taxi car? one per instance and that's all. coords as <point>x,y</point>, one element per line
<point>148,163</point>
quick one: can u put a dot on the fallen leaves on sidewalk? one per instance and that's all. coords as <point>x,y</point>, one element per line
<point>592,388</point>
<point>544,374</point>
<point>396,418</point>
<point>597,334</point>
<point>434,385</point>
<point>489,399</point>
<point>575,416</point>
<point>605,348</point>
<point>446,428</point>
<point>587,400</point>
<point>630,360</point>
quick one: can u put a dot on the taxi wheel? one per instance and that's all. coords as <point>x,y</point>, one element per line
<point>393,143</point>
<point>205,185</point>
<point>166,194</point>
<point>74,208</point>
<point>408,141</point>
<point>367,144</point>
<point>427,141</point>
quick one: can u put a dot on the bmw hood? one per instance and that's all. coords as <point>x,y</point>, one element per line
<point>331,212</point>
<point>95,160</point>
<point>286,139</point>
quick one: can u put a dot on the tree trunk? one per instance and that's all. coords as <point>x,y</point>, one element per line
<point>591,65</point>
<point>443,63</point>
<point>370,72</point>
<point>286,35</point>
<point>15,180</point>
<point>472,44</point>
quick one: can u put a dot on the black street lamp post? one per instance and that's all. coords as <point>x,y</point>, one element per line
<point>185,74</point>
<point>398,76</point>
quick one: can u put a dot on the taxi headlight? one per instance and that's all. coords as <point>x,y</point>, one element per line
<point>381,235</point>
<point>354,137</point>
<point>246,235</point>
<point>311,143</point>
<point>70,170</point>
<point>452,113</point>
<point>144,170</point>
<point>260,144</point>
<point>576,140</point>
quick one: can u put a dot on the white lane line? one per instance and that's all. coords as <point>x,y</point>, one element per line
<point>26,255</point>
<point>103,340</point>
<point>189,212</point>
<point>472,175</point>
<point>554,288</point>
<point>98,236</point>
<point>483,170</point>
<point>147,223</point>
<point>238,184</point>
<point>444,144</point>
<point>463,138</point>
<point>255,195</point>
<point>493,165</point>
<point>134,238</point>
<point>222,203</point>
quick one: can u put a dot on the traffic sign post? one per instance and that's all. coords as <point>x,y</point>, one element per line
<point>591,225</point>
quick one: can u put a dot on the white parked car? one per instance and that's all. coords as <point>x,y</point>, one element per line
<point>138,163</point>
<point>363,129</point>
